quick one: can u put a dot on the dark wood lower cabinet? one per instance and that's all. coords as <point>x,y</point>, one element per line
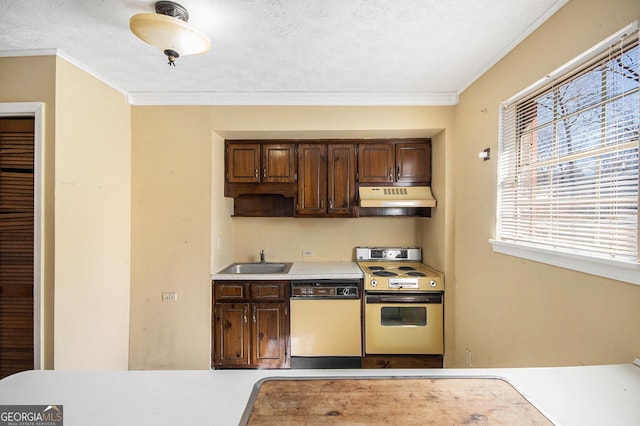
<point>231,335</point>
<point>250,329</point>
<point>251,325</point>
<point>270,334</point>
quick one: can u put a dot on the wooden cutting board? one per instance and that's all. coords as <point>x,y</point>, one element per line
<point>396,401</point>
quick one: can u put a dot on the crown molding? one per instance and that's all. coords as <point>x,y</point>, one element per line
<point>294,98</point>
<point>60,54</point>
<point>526,33</point>
<point>257,98</point>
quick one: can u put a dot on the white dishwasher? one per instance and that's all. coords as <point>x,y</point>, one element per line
<point>326,324</point>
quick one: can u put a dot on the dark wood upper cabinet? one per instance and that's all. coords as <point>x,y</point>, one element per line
<point>320,177</point>
<point>278,163</point>
<point>376,163</point>
<point>413,163</point>
<point>401,162</point>
<point>257,162</point>
<point>243,162</point>
<point>326,180</point>
<point>312,179</point>
<point>341,180</point>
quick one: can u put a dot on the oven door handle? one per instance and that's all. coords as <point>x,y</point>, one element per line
<point>418,298</point>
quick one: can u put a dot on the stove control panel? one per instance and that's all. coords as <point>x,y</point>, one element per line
<point>411,283</point>
<point>388,253</point>
<point>403,283</point>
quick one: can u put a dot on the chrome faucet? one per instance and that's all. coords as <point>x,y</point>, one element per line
<point>262,256</point>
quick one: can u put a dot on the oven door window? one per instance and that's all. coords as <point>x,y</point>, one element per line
<point>400,316</point>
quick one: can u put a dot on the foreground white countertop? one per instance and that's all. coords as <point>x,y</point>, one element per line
<point>586,395</point>
<point>303,271</point>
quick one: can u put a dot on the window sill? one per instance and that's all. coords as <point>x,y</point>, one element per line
<point>616,270</point>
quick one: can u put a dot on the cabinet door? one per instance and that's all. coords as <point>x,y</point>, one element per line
<point>413,162</point>
<point>243,162</point>
<point>232,335</point>
<point>269,291</point>
<point>270,335</point>
<point>341,179</point>
<point>312,179</point>
<point>230,291</point>
<point>278,163</point>
<point>375,163</point>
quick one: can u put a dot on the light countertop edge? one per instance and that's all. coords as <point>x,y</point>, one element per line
<point>302,271</point>
<point>583,395</point>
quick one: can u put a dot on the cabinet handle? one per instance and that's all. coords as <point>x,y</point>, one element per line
<point>264,172</point>
<point>330,204</point>
<point>390,173</point>
<point>321,204</point>
<point>398,172</point>
<point>244,314</point>
<point>257,172</point>
<point>254,314</point>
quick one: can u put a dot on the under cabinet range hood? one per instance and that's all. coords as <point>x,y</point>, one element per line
<point>396,196</point>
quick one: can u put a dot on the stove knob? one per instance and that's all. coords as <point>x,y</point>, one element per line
<point>346,291</point>
<point>373,283</point>
<point>433,283</point>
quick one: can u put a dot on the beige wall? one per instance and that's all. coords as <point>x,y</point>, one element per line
<point>171,238</point>
<point>437,231</point>
<point>179,213</point>
<point>509,311</point>
<point>32,79</point>
<point>85,210</point>
<point>92,222</point>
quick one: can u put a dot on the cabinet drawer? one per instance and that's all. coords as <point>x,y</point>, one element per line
<point>269,291</point>
<point>231,291</point>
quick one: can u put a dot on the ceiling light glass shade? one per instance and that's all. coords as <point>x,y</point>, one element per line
<point>169,34</point>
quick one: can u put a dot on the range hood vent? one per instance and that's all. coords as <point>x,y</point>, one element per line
<point>396,196</point>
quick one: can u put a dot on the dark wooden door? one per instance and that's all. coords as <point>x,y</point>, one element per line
<point>341,179</point>
<point>16,245</point>
<point>312,179</point>
<point>243,162</point>
<point>375,163</point>
<point>269,335</point>
<point>278,163</point>
<point>232,334</point>
<point>413,163</point>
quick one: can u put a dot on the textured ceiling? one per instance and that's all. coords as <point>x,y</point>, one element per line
<point>392,52</point>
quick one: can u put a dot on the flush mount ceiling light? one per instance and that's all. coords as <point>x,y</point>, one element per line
<point>168,29</point>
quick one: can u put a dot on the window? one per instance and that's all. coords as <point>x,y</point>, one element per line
<point>568,164</point>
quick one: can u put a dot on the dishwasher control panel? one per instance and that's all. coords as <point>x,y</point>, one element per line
<point>320,289</point>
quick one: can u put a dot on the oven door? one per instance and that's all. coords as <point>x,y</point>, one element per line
<point>404,323</point>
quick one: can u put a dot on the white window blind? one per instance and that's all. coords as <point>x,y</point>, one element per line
<point>568,158</point>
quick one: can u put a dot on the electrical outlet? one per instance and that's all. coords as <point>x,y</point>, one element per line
<point>469,356</point>
<point>171,296</point>
<point>307,252</point>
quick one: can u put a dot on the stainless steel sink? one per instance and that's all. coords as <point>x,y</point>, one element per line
<point>257,268</point>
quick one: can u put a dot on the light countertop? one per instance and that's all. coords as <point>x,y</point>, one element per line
<point>585,395</point>
<point>303,271</point>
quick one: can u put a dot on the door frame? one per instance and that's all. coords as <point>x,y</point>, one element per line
<point>35,110</point>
